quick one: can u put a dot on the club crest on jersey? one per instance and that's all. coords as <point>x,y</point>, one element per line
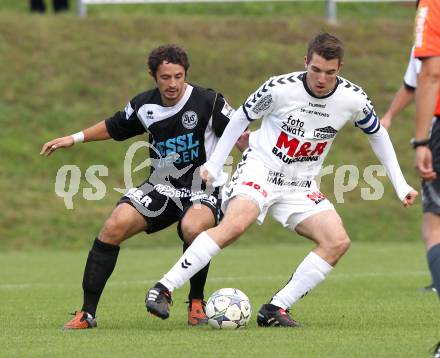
<point>325,133</point>
<point>189,119</point>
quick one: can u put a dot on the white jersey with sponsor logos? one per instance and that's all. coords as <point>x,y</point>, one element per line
<point>298,128</point>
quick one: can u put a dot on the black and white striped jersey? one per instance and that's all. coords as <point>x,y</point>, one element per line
<point>182,137</point>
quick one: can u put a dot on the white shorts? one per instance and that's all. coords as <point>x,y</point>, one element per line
<point>289,202</point>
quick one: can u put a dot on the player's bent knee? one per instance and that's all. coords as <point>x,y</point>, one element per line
<point>337,245</point>
<point>113,231</point>
<point>341,244</point>
<point>345,243</point>
<point>190,232</point>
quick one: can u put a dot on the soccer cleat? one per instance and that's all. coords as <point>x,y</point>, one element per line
<point>429,288</point>
<point>158,302</point>
<point>196,312</point>
<point>81,320</point>
<point>275,318</point>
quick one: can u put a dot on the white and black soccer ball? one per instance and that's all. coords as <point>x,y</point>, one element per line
<point>228,308</point>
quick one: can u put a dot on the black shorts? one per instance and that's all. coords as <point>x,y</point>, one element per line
<point>163,205</point>
<point>431,190</point>
<point>431,196</point>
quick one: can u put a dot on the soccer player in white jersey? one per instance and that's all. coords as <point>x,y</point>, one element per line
<point>301,114</point>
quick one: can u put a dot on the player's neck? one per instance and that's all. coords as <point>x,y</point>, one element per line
<point>172,102</point>
<point>309,88</point>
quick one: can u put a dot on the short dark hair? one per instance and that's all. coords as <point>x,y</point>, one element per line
<point>168,53</point>
<point>327,46</point>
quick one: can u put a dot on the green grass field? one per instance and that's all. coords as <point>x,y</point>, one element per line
<point>370,306</point>
<point>61,74</point>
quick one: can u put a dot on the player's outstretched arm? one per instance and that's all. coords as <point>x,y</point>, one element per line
<point>212,171</point>
<point>54,144</point>
<point>383,148</point>
<point>94,133</point>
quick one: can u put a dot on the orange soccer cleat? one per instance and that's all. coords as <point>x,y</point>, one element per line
<point>196,312</point>
<point>82,320</point>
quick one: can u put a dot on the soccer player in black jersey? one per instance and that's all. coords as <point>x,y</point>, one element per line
<point>184,122</point>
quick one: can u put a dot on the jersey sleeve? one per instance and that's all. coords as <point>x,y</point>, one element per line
<point>221,115</point>
<point>125,124</point>
<point>412,70</point>
<point>365,118</point>
<point>261,102</point>
<point>233,130</point>
<point>383,148</point>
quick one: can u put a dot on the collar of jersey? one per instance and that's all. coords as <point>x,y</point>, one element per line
<point>161,112</point>
<point>309,91</point>
<point>182,101</point>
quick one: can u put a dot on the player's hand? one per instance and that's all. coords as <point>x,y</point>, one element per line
<point>206,175</point>
<point>410,198</point>
<point>53,145</point>
<point>243,141</point>
<point>424,163</point>
<point>386,121</point>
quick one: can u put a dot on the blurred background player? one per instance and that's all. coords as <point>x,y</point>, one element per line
<point>301,113</point>
<point>430,189</point>
<point>184,122</point>
<point>427,49</point>
<point>40,5</point>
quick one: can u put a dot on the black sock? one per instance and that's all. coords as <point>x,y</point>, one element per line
<point>197,282</point>
<point>434,265</point>
<point>100,264</point>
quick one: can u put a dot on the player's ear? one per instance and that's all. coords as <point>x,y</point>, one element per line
<point>305,62</point>
<point>340,66</point>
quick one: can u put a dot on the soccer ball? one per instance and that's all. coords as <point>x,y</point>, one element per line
<point>228,308</point>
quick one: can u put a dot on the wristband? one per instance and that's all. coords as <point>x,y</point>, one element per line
<point>78,137</point>
<point>419,143</point>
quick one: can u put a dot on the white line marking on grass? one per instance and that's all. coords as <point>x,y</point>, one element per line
<point>32,285</point>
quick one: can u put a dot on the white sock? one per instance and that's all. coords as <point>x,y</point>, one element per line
<point>308,275</point>
<point>197,256</point>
